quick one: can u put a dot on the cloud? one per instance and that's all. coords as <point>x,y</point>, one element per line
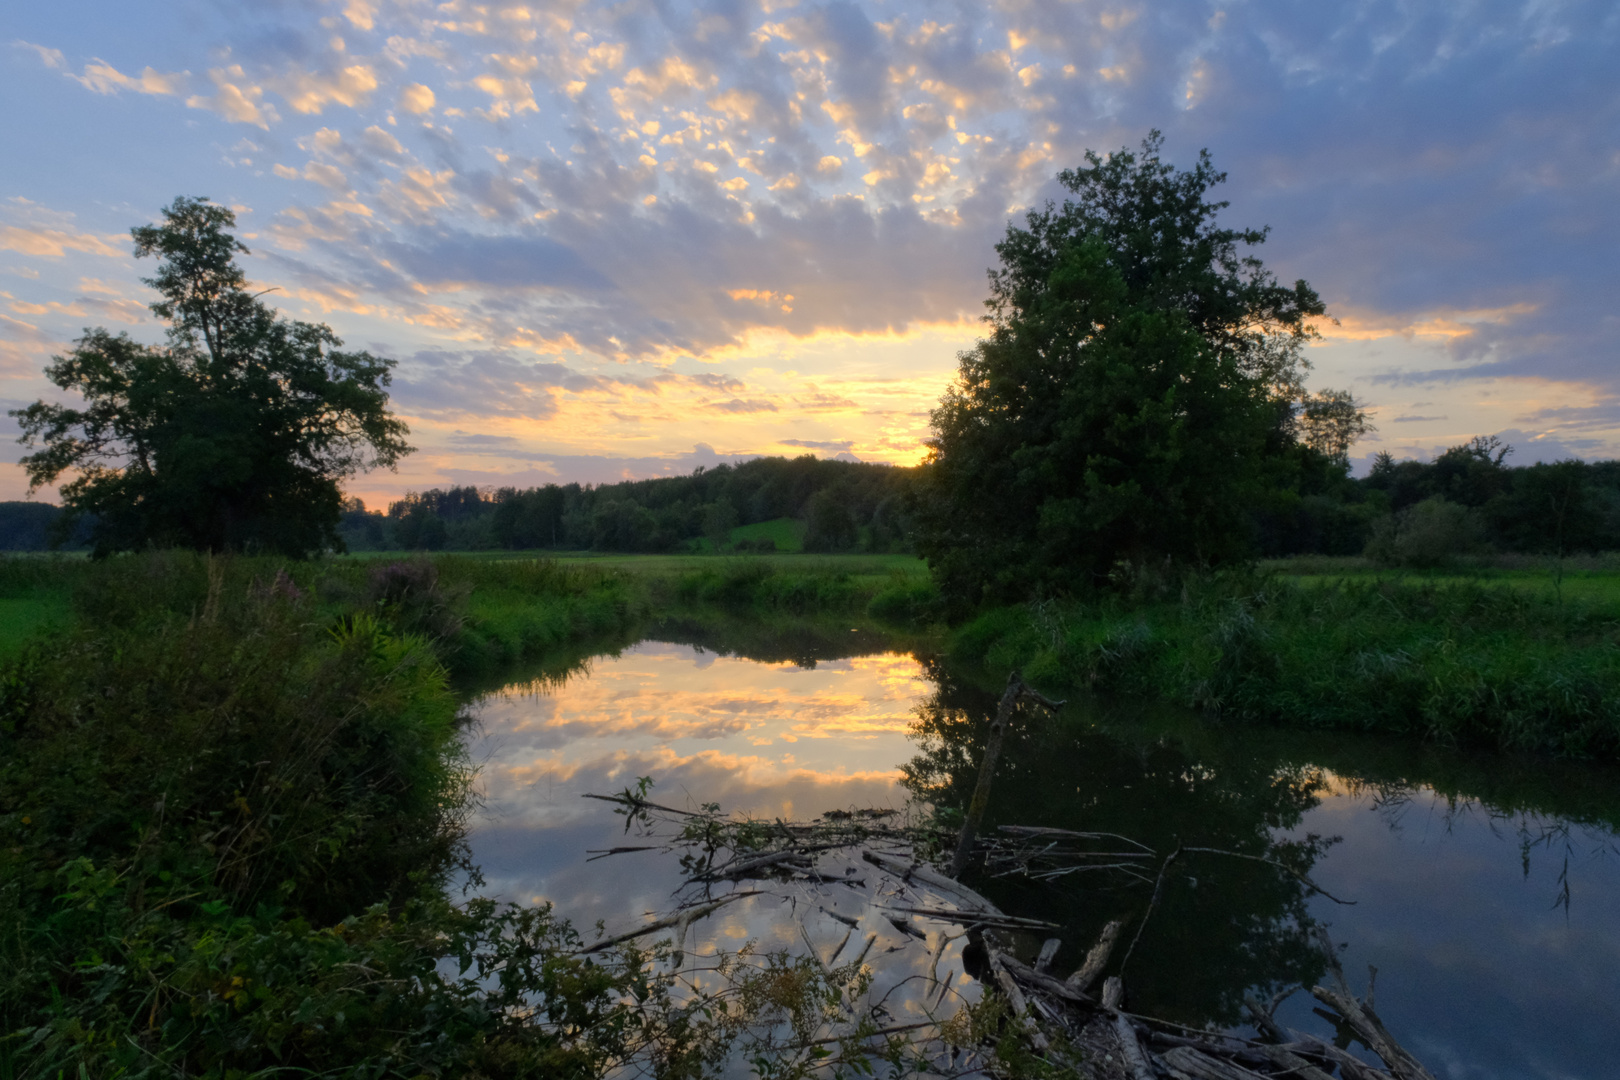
<point>310,92</point>
<point>51,58</point>
<point>416,99</point>
<point>54,243</point>
<point>103,78</point>
<point>17,330</point>
<point>819,444</point>
<point>501,261</point>
<point>553,467</point>
<point>589,185</point>
<point>739,405</point>
<point>235,99</point>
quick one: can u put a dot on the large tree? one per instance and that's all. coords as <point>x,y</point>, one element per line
<point>1139,392</point>
<point>234,435</point>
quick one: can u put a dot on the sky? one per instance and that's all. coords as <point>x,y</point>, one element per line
<point>623,239</point>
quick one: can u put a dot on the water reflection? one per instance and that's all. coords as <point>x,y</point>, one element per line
<point>1486,887</point>
<point>770,739</point>
<point>1224,925</point>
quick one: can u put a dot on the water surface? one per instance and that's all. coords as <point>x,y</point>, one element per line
<point>1487,890</point>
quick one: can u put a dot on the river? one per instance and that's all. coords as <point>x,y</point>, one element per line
<point>1486,891</point>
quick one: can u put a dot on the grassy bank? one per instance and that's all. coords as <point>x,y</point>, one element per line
<point>232,798</point>
<point>1461,663</point>
<point>484,611</point>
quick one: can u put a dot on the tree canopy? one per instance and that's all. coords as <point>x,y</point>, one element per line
<point>1139,392</point>
<point>234,435</point>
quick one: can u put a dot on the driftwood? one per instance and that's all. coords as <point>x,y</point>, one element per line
<point>1052,1015</point>
<point>1016,691</point>
<point>1097,958</point>
<point>1151,1048</point>
<point>680,920</point>
<point>974,918</point>
<point>1358,1015</point>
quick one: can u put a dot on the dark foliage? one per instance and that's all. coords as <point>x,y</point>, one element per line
<point>234,435</point>
<point>845,506</point>
<point>1138,396</point>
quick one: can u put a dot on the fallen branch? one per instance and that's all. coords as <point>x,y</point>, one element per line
<point>1016,690</point>
<point>1097,958</point>
<point>927,875</point>
<point>686,917</point>
<point>1273,862</point>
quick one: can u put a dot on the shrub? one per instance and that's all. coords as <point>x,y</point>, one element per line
<point>1429,534</point>
<point>908,603</point>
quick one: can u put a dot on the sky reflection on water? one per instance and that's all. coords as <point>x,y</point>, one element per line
<point>1484,970</point>
<point>765,739</point>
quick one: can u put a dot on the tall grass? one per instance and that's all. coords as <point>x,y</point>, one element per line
<point>231,797</point>
<point>1458,663</point>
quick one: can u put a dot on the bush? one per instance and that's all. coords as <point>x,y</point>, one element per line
<point>1429,534</point>
<point>908,603</point>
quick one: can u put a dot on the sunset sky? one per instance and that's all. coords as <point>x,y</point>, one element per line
<point>623,239</point>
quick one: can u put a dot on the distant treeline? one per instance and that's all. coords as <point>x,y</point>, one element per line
<point>1465,501</point>
<point>842,505</point>
<point>33,526</point>
<point>1414,513</point>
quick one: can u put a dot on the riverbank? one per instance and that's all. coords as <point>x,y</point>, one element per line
<point>233,798</point>
<point>1456,662</point>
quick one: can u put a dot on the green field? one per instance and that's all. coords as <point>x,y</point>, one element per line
<point>23,617</point>
<point>786,533</point>
<point>1593,579</point>
<point>518,604</point>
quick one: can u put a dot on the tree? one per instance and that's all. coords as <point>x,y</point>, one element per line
<point>1139,392</point>
<point>233,436</point>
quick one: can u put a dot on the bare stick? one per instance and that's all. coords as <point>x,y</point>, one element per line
<point>1113,992</point>
<point>1040,980</point>
<point>979,918</point>
<point>1273,862</point>
<point>987,772</point>
<point>836,953</point>
<point>1158,890</point>
<point>1200,1066</point>
<point>688,916</point>
<point>1016,689</point>
<point>1263,1021</point>
<point>927,875</point>
<point>1296,1065</point>
<point>1351,1066</point>
<point>1040,830</point>
<point>1017,1002</point>
<point>739,867</point>
<point>1371,1031</point>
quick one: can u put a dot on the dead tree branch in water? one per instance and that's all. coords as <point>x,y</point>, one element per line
<point>1017,690</point>
<point>910,909</point>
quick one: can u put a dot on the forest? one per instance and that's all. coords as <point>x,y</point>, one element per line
<point>1466,501</point>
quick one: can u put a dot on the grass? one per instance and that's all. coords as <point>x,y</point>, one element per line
<point>786,533</point>
<point>1588,578</point>
<point>233,795</point>
<point>23,618</point>
<point>1459,663</point>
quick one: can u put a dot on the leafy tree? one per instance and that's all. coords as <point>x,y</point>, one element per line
<point>233,436</point>
<point>1138,394</point>
<point>829,526</point>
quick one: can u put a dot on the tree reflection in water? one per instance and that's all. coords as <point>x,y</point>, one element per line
<point>1223,926</point>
